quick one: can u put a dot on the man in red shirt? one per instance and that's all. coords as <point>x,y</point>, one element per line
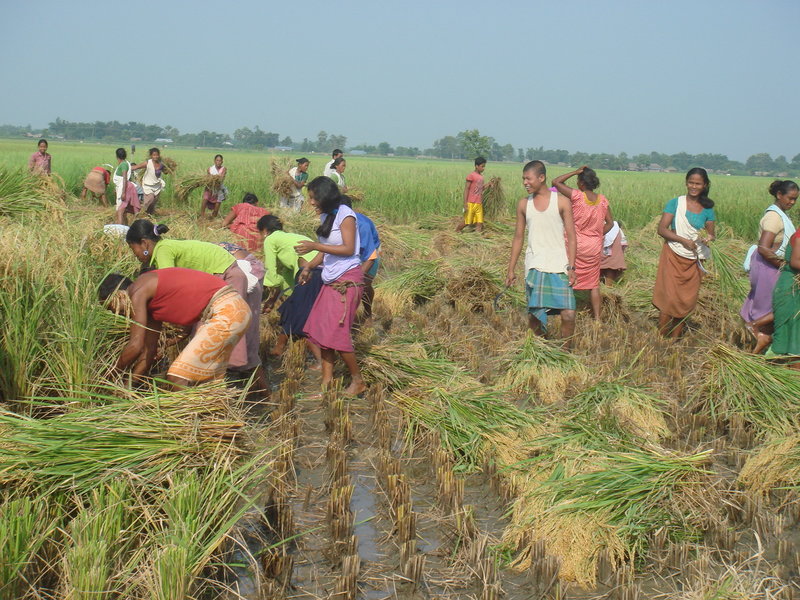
<point>473,197</point>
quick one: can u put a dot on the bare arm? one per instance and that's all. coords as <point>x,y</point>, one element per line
<point>561,186</point>
<point>466,194</point>
<point>346,248</point>
<point>794,261</point>
<point>516,244</point>
<point>134,351</point>
<point>141,165</point>
<point>665,232</point>
<point>765,249</point>
<point>228,218</point>
<point>148,356</point>
<point>565,209</point>
<point>711,228</point>
<point>305,273</point>
<point>609,221</point>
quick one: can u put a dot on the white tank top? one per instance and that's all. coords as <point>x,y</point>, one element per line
<point>547,247</point>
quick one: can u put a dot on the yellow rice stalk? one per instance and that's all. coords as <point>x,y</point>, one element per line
<point>775,464</point>
<point>185,186</point>
<point>355,194</point>
<point>282,183</point>
<point>170,165</point>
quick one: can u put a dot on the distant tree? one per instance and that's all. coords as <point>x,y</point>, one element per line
<point>520,155</point>
<point>287,141</point>
<point>761,162</point>
<point>384,148</point>
<point>474,144</point>
<point>322,142</point>
<point>446,147</point>
<point>337,141</point>
<point>781,164</point>
<point>307,145</point>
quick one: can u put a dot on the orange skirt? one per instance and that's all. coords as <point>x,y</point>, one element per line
<point>677,284</point>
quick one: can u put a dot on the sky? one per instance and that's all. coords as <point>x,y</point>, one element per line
<point>634,76</point>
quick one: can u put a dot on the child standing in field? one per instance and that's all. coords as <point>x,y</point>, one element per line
<point>473,197</point>
<point>214,196</point>
<point>549,261</point>
<point>127,197</point>
<point>40,162</point>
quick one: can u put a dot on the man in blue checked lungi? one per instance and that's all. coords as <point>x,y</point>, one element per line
<point>549,255</point>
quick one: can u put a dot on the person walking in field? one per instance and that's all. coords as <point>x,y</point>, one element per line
<point>127,196</point>
<point>95,183</point>
<point>549,253</point>
<point>40,162</point>
<point>182,297</point>
<point>593,220</point>
<point>152,183</point>
<point>765,260</point>
<point>337,173</point>
<point>330,322</point>
<point>326,172</point>
<point>473,197</point>
<point>213,197</point>
<point>687,226</point>
<point>299,175</point>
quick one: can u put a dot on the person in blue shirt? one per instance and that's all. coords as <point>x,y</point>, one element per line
<point>369,253</point>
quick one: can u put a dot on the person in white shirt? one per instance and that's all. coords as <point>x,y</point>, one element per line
<point>329,165</point>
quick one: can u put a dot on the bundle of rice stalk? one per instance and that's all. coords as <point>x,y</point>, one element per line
<point>473,287</point>
<point>282,183</point>
<point>464,416</point>
<point>355,194</point>
<point>743,386</point>
<point>494,199</point>
<point>729,278</point>
<point>607,500</point>
<point>186,185</point>
<point>775,465</point>
<point>399,365</point>
<point>170,166</point>
<point>26,525</point>
<point>538,366</point>
<point>21,192</point>
<point>628,409</point>
<point>420,282</point>
<point>193,519</point>
<point>144,436</point>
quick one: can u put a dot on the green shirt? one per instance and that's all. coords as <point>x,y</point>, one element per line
<point>121,168</point>
<point>191,254</point>
<point>280,259</point>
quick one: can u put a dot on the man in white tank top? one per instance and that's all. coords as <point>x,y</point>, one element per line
<point>549,259</point>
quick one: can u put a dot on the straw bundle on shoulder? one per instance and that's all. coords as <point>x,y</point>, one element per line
<point>170,166</point>
<point>282,183</point>
<point>186,185</point>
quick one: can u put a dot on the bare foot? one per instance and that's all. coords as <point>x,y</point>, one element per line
<point>763,340</point>
<point>356,388</point>
<point>315,366</point>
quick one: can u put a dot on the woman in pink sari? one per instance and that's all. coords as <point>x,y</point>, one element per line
<point>243,221</point>
<point>593,220</point>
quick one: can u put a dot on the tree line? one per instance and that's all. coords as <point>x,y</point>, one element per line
<point>464,145</point>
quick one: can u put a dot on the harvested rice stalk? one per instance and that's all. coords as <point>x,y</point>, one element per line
<point>473,287</point>
<point>538,366</point>
<point>170,165</point>
<point>628,409</point>
<point>731,282</point>
<point>743,386</point>
<point>494,199</point>
<point>282,183</point>
<point>420,282</point>
<point>402,364</point>
<point>774,465</point>
<point>355,194</point>
<point>22,192</point>
<point>187,185</point>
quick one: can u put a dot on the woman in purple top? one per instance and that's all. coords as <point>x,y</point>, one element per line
<point>331,319</point>
<point>40,161</point>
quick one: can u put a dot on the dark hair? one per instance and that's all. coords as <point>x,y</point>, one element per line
<point>218,155</point>
<point>142,229</point>
<point>328,198</point>
<point>269,223</point>
<point>42,140</point>
<point>335,152</point>
<point>121,153</point>
<point>250,198</point>
<point>480,161</point>
<point>782,187</point>
<point>337,162</point>
<point>535,165</point>
<point>705,201</point>
<point>302,161</point>
<point>149,152</point>
<point>589,179</point>
<point>111,283</point>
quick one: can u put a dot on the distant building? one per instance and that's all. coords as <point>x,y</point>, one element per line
<point>284,148</point>
<point>164,141</point>
<point>356,153</point>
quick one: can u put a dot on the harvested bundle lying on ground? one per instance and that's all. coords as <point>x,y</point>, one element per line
<point>421,281</point>
<point>539,366</point>
<point>745,387</point>
<point>400,365</point>
<point>774,465</point>
<point>143,435</point>
<point>473,287</point>
<point>584,492</point>
<point>22,192</point>
<point>282,183</point>
<point>632,409</point>
<point>186,185</point>
<point>494,199</point>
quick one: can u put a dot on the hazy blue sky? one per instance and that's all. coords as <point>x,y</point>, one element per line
<point>634,76</point>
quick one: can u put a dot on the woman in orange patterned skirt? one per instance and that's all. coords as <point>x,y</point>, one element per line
<point>182,297</point>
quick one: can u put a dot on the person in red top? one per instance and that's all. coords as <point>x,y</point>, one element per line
<point>182,297</point>
<point>243,221</point>
<point>95,183</point>
<point>40,162</point>
<point>473,197</point>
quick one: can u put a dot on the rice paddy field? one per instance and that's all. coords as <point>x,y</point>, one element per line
<point>483,463</point>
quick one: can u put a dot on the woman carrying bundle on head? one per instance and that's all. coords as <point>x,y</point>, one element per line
<point>145,241</point>
<point>765,260</point>
<point>283,266</point>
<point>152,183</point>
<point>593,219</point>
<point>242,220</point>
<point>215,195</point>
<point>330,322</point>
<point>182,297</point>
<point>95,183</point>
<point>126,194</point>
<point>687,226</point>
<point>336,173</point>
